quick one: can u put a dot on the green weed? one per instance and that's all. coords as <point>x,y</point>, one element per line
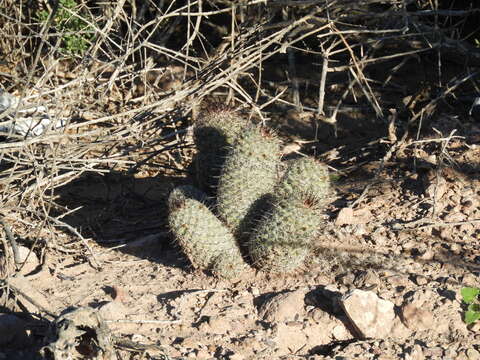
<point>471,296</point>
<point>69,21</point>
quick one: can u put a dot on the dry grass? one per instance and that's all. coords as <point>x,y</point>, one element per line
<point>128,100</point>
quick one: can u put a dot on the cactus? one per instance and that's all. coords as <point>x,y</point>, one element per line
<point>184,192</point>
<point>206,242</point>
<point>304,176</point>
<point>249,173</point>
<point>213,133</point>
<point>279,219</point>
<point>282,239</point>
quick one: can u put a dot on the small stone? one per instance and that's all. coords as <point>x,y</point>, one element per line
<point>219,324</point>
<point>290,338</point>
<point>397,280</point>
<point>254,291</point>
<point>113,310</point>
<point>190,343</point>
<point>454,217</point>
<point>436,352</point>
<point>437,189</point>
<point>399,330</point>
<point>202,354</point>
<point>138,338</point>
<point>476,327</point>
<point>409,245</point>
<point>421,280</point>
<point>417,318</point>
<point>340,333</point>
<point>346,279</point>
<point>28,262</point>
<point>236,356</point>
<point>371,316</point>
<point>345,216</point>
<point>348,216</point>
<point>29,258</point>
<point>416,353</point>
<point>472,354</point>
<point>427,255</point>
<point>461,356</point>
<point>366,278</point>
<point>450,354</point>
<point>456,248</point>
<point>283,307</point>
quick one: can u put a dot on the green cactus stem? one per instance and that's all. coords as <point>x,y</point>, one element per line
<point>249,173</point>
<point>206,242</point>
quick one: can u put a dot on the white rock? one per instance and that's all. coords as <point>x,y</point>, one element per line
<point>371,316</point>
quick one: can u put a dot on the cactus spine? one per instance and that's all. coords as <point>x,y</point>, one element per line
<point>279,219</point>
<point>282,238</point>
<point>213,133</point>
<point>206,242</point>
<point>249,173</point>
<point>304,176</point>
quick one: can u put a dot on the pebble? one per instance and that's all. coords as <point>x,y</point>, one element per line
<point>421,280</point>
<point>236,356</point>
<point>283,307</point>
<point>450,353</point>
<point>203,354</point>
<point>366,278</point>
<point>472,354</point>
<point>339,332</point>
<point>416,353</point>
<point>436,352</point>
<point>415,317</point>
<point>397,280</point>
<point>254,291</point>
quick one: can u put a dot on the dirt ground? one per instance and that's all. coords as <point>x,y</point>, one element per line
<point>412,239</point>
<point>88,204</point>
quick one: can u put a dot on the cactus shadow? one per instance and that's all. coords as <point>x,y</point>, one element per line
<point>207,162</point>
<point>123,213</point>
<point>257,210</point>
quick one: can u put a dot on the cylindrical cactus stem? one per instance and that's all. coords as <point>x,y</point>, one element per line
<point>205,240</point>
<point>214,132</point>
<point>304,176</point>
<point>282,238</point>
<point>249,173</point>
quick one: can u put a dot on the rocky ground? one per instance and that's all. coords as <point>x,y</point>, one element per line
<point>401,239</point>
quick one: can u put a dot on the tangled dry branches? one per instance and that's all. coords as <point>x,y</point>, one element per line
<point>125,103</point>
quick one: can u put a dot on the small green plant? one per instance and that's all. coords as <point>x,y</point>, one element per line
<point>69,21</point>
<point>471,296</point>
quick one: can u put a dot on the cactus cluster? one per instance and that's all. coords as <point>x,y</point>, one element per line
<point>276,217</point>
